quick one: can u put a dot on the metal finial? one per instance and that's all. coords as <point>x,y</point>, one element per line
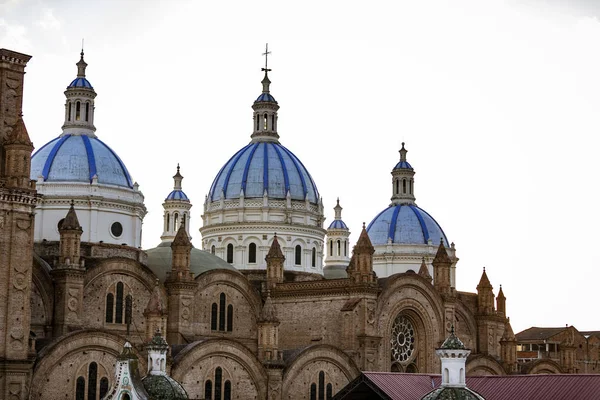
<point>177,167</point>
<point>266,54</point>
<point>82,39</point>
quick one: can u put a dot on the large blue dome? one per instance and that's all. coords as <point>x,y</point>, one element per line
<point>262,166</point>
<point>77,158</point>
<point>405,224</point>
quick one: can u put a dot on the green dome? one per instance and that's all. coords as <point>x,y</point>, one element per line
<point>164,387</point>
<point>159,261</point>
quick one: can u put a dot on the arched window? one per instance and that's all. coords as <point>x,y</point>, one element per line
<point>119,304</point>
<point>331,247</point>
<point>110,299</point>
<point>257,122</point>
<point>128,309</point>
<point>80,389</point>
<point>397,187</point>
<point>87,112</point>
<point>184,219</point>
<point>252,253</point>
<point>92,376</point>
<point>126,396</point>
<point>227,391</point>
<point>212,249</point>
<point>446,376</point>
<point>273,122</point>
<point>345,248</point>
<point>329,394</point>
<point>339,248</point>
<point>103,387</point>
<point>168,222</point>
<point>404,186</point>
<point>213,316</point>
<point>175,221</point>
<point>298,255</point>
<point>218,380</point>
<point>321,385</point>
<point>313,391</point>
<point>70,111</point>
<point>462,375</point>
<point>230,253</point>
<point>410,186</point>
<point>77,111</point>
<point>229,318</point>
<point>313,258</point>
<point>221,313</point>
<point>208,390</point>
<point>265,122</point>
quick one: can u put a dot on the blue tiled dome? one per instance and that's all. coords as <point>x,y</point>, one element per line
<point>405,224</point>
<point>80,82</point>
<point>177,195</point>
<point>403,165</point>
<point>266,97</point>
<point>337,224</point>
<point>264,166</point>
<point>77,158</point>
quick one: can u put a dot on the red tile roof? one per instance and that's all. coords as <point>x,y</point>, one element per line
<point>535,333</point>
<point>400,386</point>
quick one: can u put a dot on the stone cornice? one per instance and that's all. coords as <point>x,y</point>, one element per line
<point>21,196</point>
<point>259,226</point>
<point>329,287</point>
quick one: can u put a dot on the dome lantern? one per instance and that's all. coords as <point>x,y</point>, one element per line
<point>265,110</point>
<point>403,181</point>
<point>79,107</point>
<point>176,210</point>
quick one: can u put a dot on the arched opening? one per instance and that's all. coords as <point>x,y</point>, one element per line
<point>87,112</point>
<point>230,253</point>
<point>313,391</point>
<point>103,387</point>
<point>92,377</point>
<point>345,248</point>
<point>252,253</point>
<point>257,118</point>
<point>298,255</point>
<point>119,304</point>
<point>339,247</point>
<point>273,122</point>
<point>331,247</point>
<point>396,367</point>
<point>230,318</point>
<point>70,111</point>
<point>412,369</point>
<point>175,222</point>
<point>446,376</point>
<point>110,298</point>
<point>462,375</point>
<point>212,249</point>
<point>77,111</point>
<point>410,186</point>
<point>403,342</point>
<point>125,396</point>
<point>403,186</point>
<point>265,122</point>
<point>222,312</point>
<point>227,391</point>
<point>80,388</point>
<point>168,222</point>
<point>208,390</point>
<point>313,258</point>
<point>213,316</point>
<point>329,394</point>
<point>128,309</point>
<point>218,382</point>
<point>397,186</point>
<point>321,385</point>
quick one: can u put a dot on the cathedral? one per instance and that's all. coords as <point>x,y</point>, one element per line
<point>275,305</point>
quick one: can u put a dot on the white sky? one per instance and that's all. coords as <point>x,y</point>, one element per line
<point>497,103</point>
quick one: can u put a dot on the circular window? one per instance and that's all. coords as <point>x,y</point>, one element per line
<point>116,229</point>
<point>403,340</point>
<point>59,225</point>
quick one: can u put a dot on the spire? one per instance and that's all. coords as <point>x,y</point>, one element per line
<point>484,282</point>
<point>364,245</point>
<point>71,222</point>
<point>177,178</point>
<point>442,255</point>
<point>275,252</point>
<point>424,271</point>
<point>19,134</point>
<point>81,66</point>
<point>181,238</point>
<point>403,180</point>
<point>268,312</point>
<point>266,82</point>
<point>338,210</point>
<point>403,152</point>
<point>274,259</point>
<point>485,296</point>
<point>265,109</point>
<point>501,302</point>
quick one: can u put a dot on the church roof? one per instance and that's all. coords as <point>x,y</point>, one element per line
<point>403,165</point>
<point>80,82</point>
<point>338,224</point>
<point>264,166</point>
<point>177,195</point>
<point>405,224</point>
<point>164,387</point>
<point>536,333</point>
<point>79,158</point>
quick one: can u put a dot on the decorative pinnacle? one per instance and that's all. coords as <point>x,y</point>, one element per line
<point>266,82</point>
<point>403,152</point>
<point>81,65</point>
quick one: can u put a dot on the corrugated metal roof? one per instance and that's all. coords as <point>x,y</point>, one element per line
<point>535,333</point>
<point>400,386</point>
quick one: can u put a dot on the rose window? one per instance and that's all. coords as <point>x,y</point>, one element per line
<point>403,340</point>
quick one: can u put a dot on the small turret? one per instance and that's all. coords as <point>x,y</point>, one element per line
<point>18,148</point>
<point>268,332</point>
<point>442,268</point>
<point>70,238</point>
<point>79,108</point>
<point>508,348</point>
<point>177,208</point>
<point>403,181</point>
<point>155,313</point>
<point>181,249</point>
<point>501,302</point>
<point>485,296</point>
<point>274,259</point>
<point>360,269</point>
<point>265,110</point>
<point>338,236</point>
<point>424,271</point>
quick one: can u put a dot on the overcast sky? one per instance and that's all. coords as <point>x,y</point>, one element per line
<point>497,103</point>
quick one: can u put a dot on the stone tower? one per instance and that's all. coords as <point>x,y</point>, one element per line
<point>177,210</point>
<point>337,246</point>
<point>442,271</point>
<point>18,198</point>
<point>68,275</point>
<point>275,259</point>
<point>360,269</point>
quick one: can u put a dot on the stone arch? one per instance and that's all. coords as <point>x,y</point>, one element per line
<point>42,298</point>
<point>140,281</point>
<point>412,296</point>
<point>545,366</point>
<point>244,298</point>
<point>338,366</point>
<point>59,362</point>
<point>482,364</point>
<point>197,361</point>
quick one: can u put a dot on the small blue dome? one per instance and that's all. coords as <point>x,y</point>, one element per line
<point>405,224</point>
<point>80,82</point>
<point>266,97</point>
<point>264,166</point>
<point>337,224</point>
<point>77,158</point>
<point>403,165</point>
<point>177,195</point>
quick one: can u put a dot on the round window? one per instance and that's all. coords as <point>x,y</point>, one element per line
<point>116,229</point>
<point>403,340</point>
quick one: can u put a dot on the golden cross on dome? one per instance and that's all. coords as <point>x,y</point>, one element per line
<point>266,54</point>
